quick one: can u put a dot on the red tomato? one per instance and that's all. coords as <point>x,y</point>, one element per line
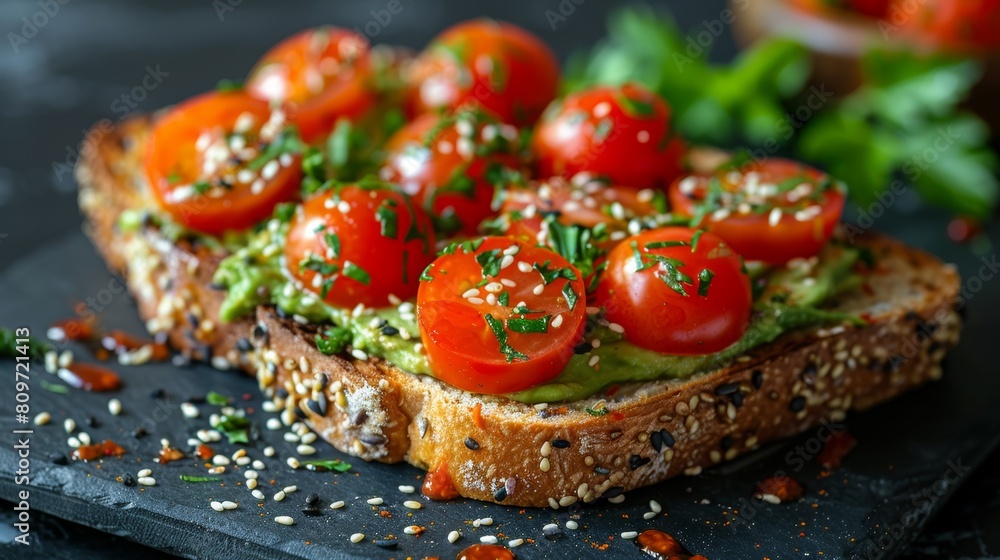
<point>496,65</point>
<point>675,293</point>
<point>958,24</point>
<point>771,211</point>
<point>204,163</point>
<point>320,74</point>
<point>575,203</point>
<point>449,165</point>
<point>871,8</point>
<point>499,315</point>
<point>360,245</point>
<point>621,133</point>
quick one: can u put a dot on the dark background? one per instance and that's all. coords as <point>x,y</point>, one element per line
<point>73,71</point>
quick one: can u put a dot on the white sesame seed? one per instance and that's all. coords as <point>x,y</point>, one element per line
<point>290,489</point>
<point>544,465</point>
<point>649,515</point>
<point>257,494</point>
<point>454,536</point>
<point>593,360</point>
<point>51,362</point>
<point>551,527</point>
<point>309,437</point>
<point>655,506</point>
<point>270,170</point>
<point>268,452</point>
<point>144,473</point>
<point>279,495</point>
<point>488,539</point>
<point>506,261</point>
<point>357,537</point>
<point>84,438</point>
<point>411,529</point>
<point>538,289</point>
<point>251,474</point>
<point>292,462</point>
<point>189,410</point>
<point>273,424</point>
<point>42,418</point>
<point>217,470</point>
<point>73,442</point>
<point>413,504</point>
<point>217,506</point>
<point>284,520</point>
<point>69,425</point>
<point>220,460</point>
<point>572,525</point>
<point>65,359</point>
<point>617,499</point>
<point>115,407</point>
<point>252,483</point>
<point>259,465</point>
<point>306,449</point>
<point>629,535</point>
<point>475,300</point>
<point>486,521</point>
<point>524,266</point>
<point>508,282</point>
<point>147,481</point>
<point>774,217</point>
<point>615,327</point>
<point>642,136</point>
<point>515,543</point>
<point>230,505</point>
<point>359,354</point>
<point>602,109</point>
<point>471,292</point>
<point>337,505</point>
<point>546,449</point>
<point>375,501</point>
<point>406,489</point>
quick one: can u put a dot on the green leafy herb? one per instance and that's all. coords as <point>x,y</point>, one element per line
<point>217,399</point>
<point>576,244</point>
<point>226,85</point>
<point>549,275</point>
<point>425,276</point>
<point>501,335</point>
<point>201,187</point>
<point>236,428</point>
<point>570,295</point>
<point>490,261</point>
<point>671,274</point>
<point>287,142</point>
<point>640,263</point>
<point>192,478</point>
<point>36,348</point>
<point>704,279</point>
<point>665,244</point>
<point>504,298</point>
<point>600,411</point>
<point>284,212</point>
<point>326,465</point>
<point>55,387</point>
<point>318,265</point>
<point>357,273</point>
<point>522,325</point>
<point>387,218</point>
<point>334,340</point>
<point>635,107</point>
<point>333,242</point>
<point>470,246</point>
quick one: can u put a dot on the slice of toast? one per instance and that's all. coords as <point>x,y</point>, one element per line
<point>495,449</point>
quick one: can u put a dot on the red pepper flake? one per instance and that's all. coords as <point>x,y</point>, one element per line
<point>71,330</point>
<point>963,229</point>
<point>477,416</point>
<point>617,416</point>
<point>107,448</point>
<point>836,449</point>
<point>438,484</point>
<point>778,489</point>
<point>168,454</point>
<point>90,377</point>
<point>205,452</point>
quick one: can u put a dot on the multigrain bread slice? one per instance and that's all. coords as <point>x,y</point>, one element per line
<point>495,449</point>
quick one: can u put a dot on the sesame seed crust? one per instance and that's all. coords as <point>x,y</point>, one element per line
<point>373,410</point>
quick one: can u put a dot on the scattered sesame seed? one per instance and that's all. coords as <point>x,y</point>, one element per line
<point>144,473</point>
<point>147,481</point>
<point>572,525</point>
<point>252,483</point>
<point>220,460</point>
<point>649,515</point>
<point>615,327</point>
<point>557,321</point>
<point>279,495</point>
<point>259,465</point>
<point>359,354</point>
<point>412,530</point>
<point>73,442</point>
<point>337,505</point>
<point>84,438</point>
<point>488,539</point>
<point>284,520</point>
<point>306,449</point>
<point>189,410</point>
<point>217,506</point>
<point>655,506</point>
<point>406,489</point>
<point>454,536</point>
<point>375,501</point>
<point>258,495</point>
<point>357,537</point>
<point>629,535</point>
<point>524,266</point>
<point>544,465</point>
<point>593,360</point>
<point>617,499</point>
<point>774,217</point>
<point>69,425</point>
<point>230,505</point>
<point>515,543</point>
<point>268,452</point>
<point>42,418</point>
<point>551,528</point>
<point>115,407</point>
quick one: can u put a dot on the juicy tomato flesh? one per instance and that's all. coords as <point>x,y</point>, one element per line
<point>319,75</point>
<point>772,211</point>
<point>870,8</point>
<point>445,164</point>
<point>676,293</point>
<point>621,133</point>
<point>958,24</point>
<point>575,203</point>
<point>359,245</point>
<point>497,66</point>
<point>203,162</point>
<point>489,320</point>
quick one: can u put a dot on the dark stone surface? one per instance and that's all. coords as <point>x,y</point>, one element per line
<point>88,55</point>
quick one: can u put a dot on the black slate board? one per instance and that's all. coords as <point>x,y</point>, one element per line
<point>912,454</point>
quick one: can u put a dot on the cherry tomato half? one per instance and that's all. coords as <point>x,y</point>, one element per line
<point>498,315</point>
<point>498,66</point>
<point>871,8</point>
<point>320,75</point>
<point>676,291</point>
<point>360,245</point>
<point>621,133</point>
<point>957,24</point>
<point>207,163</point>
<point>771,211</point>
<point>450,165</point>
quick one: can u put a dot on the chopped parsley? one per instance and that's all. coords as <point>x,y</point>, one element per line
<point>287,142</point>
<point>550,275</point>
<point>504,298</point>
<point>201,187</point>
<point>522,325</point>
<point>236,428</point>
<point>333,242</point>
<point>570,295</point>
<point>55,387</point>
<point>217,399</point>
<point>665,244</point>
<point>318,265</point>
<point>425,276</point>
<point>635,107</point>
<point>192,478</point>
<point>704,279</point>
<point>388,218</point>
<point>334,340</point>
<point>326,465</point>
<point>357,273</point>
<point>501,335</point>
<point>490,261</point>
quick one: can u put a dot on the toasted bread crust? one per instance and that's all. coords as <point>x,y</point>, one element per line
<point>496,449</point>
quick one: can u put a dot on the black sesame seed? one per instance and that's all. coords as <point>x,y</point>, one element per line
<point>58,458</point>
<point>324,380</point>
<point>757,378</point>
<point>667,437</point>
<point>656,441</point>
<point>359,417</point>
<point>318,406</point>
<point>243,345</point>
<point>501,494</point>
<point>139,433</point>
<point>388,544</point>
<point>614,492</point>
<point>894,363</point>
<point>299,413</point>
<point>311,511</point>
<point>726,442</point>
<point>193,321</point>
<point>602,470</point>
<point>637,461</point>
<point>797,404</point>
<point>282,393</point>
<point>216,286</point>
<point>582,348</point>
<point>92,422</point>
<point>390,330</point>
<point>373,439</point>
<point>127,480</point>
<point>312,499</point>
<point>615,434</point>
<point>259,332</point>
<point>727,389</point>
<point>158,394</point>
<point>911,315</point>
<point>472,444</point>
<point>737,399</point>
<point>560,444</point>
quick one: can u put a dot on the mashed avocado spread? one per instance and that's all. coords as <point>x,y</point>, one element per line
<point>787,300</point>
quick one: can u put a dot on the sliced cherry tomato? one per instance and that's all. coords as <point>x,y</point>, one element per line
<point>496,65</point>
<point>676,291</point>
<point>320,75</point>
<point>451,165</point>
<point>958,24</point>
<point>871,8</point>
<point>498,315</point>
<point>771,211</point>
<point>220,161</point>
<point>621,133</point>
<point>360,245</point>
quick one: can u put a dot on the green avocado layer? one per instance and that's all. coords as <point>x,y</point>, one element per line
<point>256,274</point>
